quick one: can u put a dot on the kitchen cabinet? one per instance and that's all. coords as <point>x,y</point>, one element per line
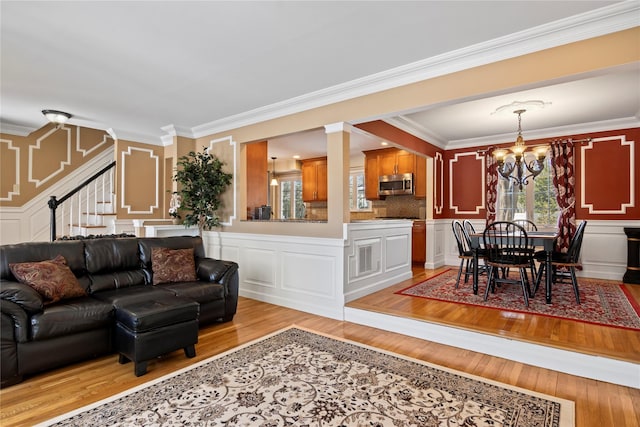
<point>393,161</point>
<point>419,242</point>
<point>314,180</point>
<point>389,161</point>
<point>257,185</point>
<point>420,178</point>
<point>371,177</point>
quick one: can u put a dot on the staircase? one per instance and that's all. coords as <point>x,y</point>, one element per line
<point>88,209</point>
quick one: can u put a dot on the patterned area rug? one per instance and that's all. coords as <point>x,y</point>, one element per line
<point>602,303</point>
<point>299,378</point>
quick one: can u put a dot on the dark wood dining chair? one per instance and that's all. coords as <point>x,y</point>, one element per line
<point>506,247</point>
<point>465,253</point>
<point>563,260</point>
<point>527,224</point>
<point>468,227</point>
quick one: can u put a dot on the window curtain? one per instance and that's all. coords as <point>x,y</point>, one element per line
<point>492,184</point>
<point>564,181</point>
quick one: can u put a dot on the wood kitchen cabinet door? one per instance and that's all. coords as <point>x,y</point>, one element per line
<point>420,178</point>
<point>371,177</point>
<point>405,162</point>
<point>387,163</point>
<point>419,242</point>
<point>314,180</point>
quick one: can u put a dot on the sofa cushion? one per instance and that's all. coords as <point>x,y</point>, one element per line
<point>173,265</point>
<point>146,244</point>
<point>197,291</point>
<point>123,296</point>
<point>113,263</point>
<point>72,251</point>
<point>70,317</point>
<point>52,279</point>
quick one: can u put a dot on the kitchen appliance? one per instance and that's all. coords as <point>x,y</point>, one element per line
<point>393,185</point>
<point>262,212</point>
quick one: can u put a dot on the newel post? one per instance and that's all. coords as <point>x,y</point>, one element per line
<point>53,205</point>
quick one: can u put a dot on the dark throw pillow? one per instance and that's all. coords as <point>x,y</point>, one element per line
<point>52,279</point>
<point>173,265</point>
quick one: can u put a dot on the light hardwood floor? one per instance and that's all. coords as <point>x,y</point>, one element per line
<point>597,403</point>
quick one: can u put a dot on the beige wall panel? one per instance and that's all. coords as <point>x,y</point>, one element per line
<point>225,150</point>
<point>10,173</point>
<point>50,154</point>
<point>140,181</point>
<point>89,140</point>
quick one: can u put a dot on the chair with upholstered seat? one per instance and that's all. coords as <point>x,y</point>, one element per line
<point>569,260</point>
<point>506,246</point>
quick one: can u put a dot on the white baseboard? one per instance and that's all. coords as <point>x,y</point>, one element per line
<point>579,364</point>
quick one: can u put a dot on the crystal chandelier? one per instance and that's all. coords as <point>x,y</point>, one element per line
<point>512,163</point>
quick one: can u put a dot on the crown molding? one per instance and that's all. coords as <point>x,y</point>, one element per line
<point>17,130</point>
<point>606,20</point>
<point>552,132</point>
<point>415,129</point>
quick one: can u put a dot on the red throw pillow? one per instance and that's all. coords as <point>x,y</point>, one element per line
<point>173,265</point>
<point>52,279</point>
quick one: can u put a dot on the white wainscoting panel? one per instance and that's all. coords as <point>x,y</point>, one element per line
<point>303,273</point>
<point>389,256</point>
<point>259,267</point>
<point>397,249</point>
<point>603,254</point>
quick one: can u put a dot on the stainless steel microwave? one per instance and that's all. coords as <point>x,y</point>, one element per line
<point>392,185</point>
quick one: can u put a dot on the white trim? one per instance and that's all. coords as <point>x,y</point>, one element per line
<point>17,179</point>
<point>632,191</point>
<point>85,152</point>
<point>482,193</point>
<point>579,364</point>
<point>438,205</point>
<point>63,163</point>
<point>338,127</point>
<point>232,143</point>
<point>606,20</point>
<point>123,180</point>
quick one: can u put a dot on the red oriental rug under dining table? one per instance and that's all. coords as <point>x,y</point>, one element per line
<point>603,302</point>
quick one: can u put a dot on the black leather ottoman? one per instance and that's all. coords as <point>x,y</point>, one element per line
<point>156,326</point>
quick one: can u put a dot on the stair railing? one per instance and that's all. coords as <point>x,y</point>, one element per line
<point>54,203</point>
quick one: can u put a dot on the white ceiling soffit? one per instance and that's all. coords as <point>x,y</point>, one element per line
<point>617,17</point>
<point>230,64</point>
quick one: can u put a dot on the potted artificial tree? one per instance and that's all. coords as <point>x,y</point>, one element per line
<point>201,183</point>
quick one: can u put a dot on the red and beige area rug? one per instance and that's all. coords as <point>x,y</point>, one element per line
<point>296,377</point>
<point>602,302</point>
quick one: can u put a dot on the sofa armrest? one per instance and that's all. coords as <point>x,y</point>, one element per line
<point>23,295</point>
<point>18,316</point>
<point>213,270</point>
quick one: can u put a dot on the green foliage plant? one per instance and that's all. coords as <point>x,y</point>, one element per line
<point>201,183</point>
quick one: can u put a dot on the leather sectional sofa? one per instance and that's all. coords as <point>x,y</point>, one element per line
<point>37,334</point>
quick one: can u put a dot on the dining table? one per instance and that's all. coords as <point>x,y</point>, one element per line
<point>544,239</point>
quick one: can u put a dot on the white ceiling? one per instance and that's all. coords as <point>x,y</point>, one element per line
<point>146,70</point>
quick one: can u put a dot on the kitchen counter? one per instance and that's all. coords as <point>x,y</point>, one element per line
<point>310,221</point>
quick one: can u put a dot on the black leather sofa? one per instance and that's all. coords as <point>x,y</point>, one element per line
<point>35,336</point>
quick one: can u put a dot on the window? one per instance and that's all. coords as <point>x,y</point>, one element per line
<point>536,201</point>
<point>357,200</point>
<point>291,205</point>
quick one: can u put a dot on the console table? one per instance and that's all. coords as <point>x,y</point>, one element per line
<point>632,275</point>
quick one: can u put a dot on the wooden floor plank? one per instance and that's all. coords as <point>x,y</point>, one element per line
<point>597,403</point>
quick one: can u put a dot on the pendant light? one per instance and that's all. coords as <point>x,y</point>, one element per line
<point>274,181</point>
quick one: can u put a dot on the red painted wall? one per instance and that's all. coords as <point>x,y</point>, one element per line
<point>605,189</point>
